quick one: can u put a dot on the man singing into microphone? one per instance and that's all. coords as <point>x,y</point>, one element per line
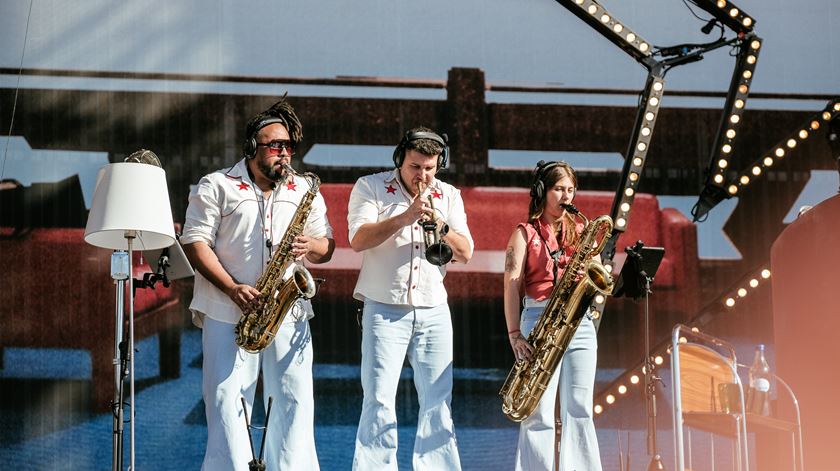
<point>405,309</point>
<point>235,220</point>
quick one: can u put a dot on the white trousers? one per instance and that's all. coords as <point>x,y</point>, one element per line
<point>230,373</point>
<point>389,332</point>
<point>576,378</point>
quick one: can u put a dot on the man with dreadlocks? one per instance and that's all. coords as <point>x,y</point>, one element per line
<point>235,219</point>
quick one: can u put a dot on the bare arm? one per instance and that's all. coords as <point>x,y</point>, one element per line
<point>203,259</point>
<point>461,250</point>
<point>513,280</point>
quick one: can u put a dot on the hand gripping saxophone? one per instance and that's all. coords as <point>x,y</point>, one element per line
<point>259,323</point>
<point>563,312</point>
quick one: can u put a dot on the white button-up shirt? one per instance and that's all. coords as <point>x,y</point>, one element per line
<point>396,271</point>
<point>229,213</point>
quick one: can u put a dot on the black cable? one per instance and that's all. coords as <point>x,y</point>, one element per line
<point>17,90</point>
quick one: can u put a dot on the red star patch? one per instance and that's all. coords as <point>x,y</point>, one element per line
<point>391,189</point>
<point>437,195</point>
<point>291,186</point>
<point>243,186</point>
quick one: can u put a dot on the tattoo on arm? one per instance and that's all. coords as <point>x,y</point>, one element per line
<point>510,261</point>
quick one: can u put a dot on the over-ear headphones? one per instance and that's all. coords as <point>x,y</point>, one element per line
<point>442,139</point>
<point>540,171</point>
<point>249,147</point>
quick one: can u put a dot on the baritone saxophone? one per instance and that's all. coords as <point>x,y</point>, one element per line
<point>259,322</point>
<point>563,312</point>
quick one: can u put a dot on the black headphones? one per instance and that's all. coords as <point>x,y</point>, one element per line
<point>537,185</point>
<point>249,147</point>
<point>442,139</point>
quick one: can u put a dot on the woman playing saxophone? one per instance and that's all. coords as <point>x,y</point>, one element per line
<point>536,257</point>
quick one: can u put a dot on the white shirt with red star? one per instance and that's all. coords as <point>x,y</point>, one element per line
<point>396,271</point>
<point>228,212</point>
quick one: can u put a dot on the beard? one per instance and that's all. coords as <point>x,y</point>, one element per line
<point>272,172</point>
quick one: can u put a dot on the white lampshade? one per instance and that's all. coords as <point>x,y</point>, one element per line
<point>130,197</point>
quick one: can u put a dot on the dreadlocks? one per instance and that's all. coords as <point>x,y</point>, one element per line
<point>283,111</point>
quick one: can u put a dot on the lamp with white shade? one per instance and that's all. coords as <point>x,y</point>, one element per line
<point>130,210</point>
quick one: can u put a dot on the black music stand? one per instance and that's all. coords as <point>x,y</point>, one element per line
<point>167,264</point>
<point>634,282</point>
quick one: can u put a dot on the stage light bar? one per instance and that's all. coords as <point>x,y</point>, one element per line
<point>736,101</point>
<point>717,187</point>
<point>743,288</point>
<point>784,148</point>
<point>729,14</point>
<point>636,155</point>
<point>596,16</point>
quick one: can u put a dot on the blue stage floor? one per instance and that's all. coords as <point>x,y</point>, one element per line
<point>44,423</point>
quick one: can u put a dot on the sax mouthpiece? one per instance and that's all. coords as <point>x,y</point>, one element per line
<point>570,208</point>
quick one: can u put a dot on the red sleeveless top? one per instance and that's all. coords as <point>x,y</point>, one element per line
<point>538,273</point>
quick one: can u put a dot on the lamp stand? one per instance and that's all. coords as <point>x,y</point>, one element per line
<point>122,270</point>
<point>119,272</point>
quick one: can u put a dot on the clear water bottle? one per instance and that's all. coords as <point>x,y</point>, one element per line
<point>758,395</point>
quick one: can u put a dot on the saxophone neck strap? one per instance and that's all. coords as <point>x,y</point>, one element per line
<point>554,254</point>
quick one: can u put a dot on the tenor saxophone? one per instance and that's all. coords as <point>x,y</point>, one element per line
<point>259,322</point>
<point>563,312</point>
